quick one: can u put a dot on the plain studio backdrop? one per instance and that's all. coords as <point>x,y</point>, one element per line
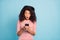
<point>48,18</point>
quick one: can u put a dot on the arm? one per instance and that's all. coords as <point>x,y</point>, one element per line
<point>19,29</point>
<point>30,31</point>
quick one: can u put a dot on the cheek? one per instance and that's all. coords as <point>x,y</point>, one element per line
<point>25,15</point>
<point>29,15</point>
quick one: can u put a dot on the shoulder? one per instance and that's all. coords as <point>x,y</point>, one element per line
<point>18,21</point>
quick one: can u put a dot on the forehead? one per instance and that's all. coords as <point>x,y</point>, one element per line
<point>27,11</point>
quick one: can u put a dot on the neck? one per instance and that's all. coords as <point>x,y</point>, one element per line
<point>27,19</point>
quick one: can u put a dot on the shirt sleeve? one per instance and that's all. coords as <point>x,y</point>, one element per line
<point>34,27</point>
<point>18,25</point>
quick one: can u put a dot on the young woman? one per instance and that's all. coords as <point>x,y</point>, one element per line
<point>26,25</point>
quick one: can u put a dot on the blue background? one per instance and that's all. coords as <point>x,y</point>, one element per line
<point>48,18</point>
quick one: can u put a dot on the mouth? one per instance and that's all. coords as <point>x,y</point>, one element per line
<point>27,17</point>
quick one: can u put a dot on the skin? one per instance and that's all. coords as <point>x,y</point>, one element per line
<point>27,16</point>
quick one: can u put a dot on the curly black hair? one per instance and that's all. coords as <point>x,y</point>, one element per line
<point>32,12</point>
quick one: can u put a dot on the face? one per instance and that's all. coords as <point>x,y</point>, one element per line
<point>27,14</point>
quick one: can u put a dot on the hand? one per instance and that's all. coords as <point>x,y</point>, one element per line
<point>27,28</point>
<point>23,28</point>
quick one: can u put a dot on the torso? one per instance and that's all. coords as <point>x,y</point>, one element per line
<point>26,35</point>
